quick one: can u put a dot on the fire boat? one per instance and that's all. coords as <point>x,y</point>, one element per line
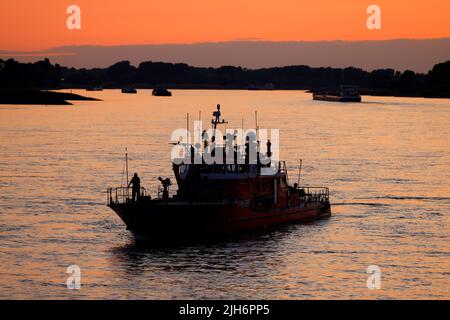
<point>220,198</point>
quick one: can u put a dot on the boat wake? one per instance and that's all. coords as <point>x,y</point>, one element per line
<point>360,204</point>
<point>413,198</point>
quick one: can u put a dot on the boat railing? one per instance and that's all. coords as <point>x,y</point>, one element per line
<point>121,195</point>
<point>316,194</point>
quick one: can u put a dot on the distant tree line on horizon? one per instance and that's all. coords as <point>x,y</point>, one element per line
<point>44,75</point>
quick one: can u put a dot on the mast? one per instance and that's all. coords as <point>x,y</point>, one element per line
<point>187,136</point>
<point>200,130</point>
<point>256,127</point>
<point>216,121</point>
<point>299,172</point>
<point>126,164</point>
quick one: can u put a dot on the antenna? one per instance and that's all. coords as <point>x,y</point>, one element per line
<point>256,124</point>
<point>187,135</point>
<point>199,129</point>
<point>126,164</point>
<point>187,122</point>
<point>299,172</point>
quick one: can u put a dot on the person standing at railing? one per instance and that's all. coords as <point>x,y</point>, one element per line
<point>166,183</point>
<point>136,182</point>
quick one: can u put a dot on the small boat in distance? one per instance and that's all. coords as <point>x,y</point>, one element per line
<point>344,94</point>
<point>161,92</point>
<point>129,90</point>
<point>94,88</point>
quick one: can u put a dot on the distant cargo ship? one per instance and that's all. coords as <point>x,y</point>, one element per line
<point>345,94</point>
<point>219,199</point>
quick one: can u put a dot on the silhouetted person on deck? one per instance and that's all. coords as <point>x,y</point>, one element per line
<point>136,182</point>
<point>166,183</point>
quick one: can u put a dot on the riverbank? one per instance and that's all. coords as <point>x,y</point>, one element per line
<point>39,97</point>
<point>148,74</point>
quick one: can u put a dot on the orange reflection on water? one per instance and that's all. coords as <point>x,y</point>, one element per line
<point>385,160</point>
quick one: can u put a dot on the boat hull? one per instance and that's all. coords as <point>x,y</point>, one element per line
<point>200,220</point>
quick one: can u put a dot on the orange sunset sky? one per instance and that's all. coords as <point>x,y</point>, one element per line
<point>36,25</point>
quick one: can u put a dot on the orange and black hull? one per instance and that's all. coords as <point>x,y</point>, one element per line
<point>183,220</point>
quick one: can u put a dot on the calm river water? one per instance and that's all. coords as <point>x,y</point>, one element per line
<point>386,161</point>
